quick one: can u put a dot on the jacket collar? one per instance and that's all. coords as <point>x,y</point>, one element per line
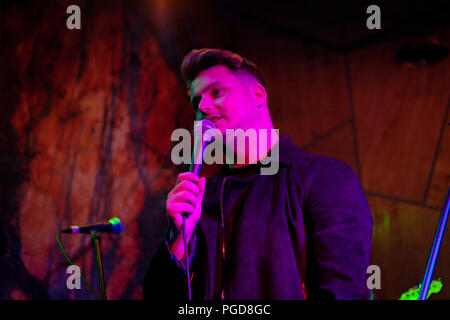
<point>287,154</point>
<point>288,149</point>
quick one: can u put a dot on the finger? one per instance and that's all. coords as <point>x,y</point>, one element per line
<point>187,185</point>
<point>175,209</point>
<point>188,176</point>
<point>202,185</point>
<point>184,196</point>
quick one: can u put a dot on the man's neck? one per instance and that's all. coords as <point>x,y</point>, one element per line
<point>261,151</point>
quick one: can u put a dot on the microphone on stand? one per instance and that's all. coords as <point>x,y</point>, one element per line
<point>113,225</point>
<point>201,139</point>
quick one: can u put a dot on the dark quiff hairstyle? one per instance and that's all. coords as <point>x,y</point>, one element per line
<point>199,60</point>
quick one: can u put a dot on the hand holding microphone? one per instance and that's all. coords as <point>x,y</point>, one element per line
<point>185,199</point>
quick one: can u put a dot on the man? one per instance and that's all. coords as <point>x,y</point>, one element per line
<point>302,232</point>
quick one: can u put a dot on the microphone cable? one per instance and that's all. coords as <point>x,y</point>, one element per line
<point>71,263</point>
<point>199,145</point>
<point>186,255</point>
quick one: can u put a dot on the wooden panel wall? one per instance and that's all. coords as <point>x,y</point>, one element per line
<point>399,114</point>
<point>387,121</point>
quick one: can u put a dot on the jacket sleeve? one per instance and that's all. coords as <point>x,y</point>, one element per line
<point>338,225</point>
<point>166,276</point>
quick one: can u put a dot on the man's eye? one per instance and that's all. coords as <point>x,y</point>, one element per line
<point>216,92</point>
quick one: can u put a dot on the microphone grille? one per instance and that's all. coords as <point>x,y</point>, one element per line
<point>201,127</point>
<point>117,225</point>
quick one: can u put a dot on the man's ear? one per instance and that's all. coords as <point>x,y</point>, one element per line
<point>260,94</point>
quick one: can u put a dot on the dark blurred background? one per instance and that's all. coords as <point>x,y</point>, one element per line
<point>86,119</point>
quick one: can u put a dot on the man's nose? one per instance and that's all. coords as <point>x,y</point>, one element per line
<point>205,105</point>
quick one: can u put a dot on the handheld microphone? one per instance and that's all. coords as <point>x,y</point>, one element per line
<point>113,225</point>
<point>202,137</point>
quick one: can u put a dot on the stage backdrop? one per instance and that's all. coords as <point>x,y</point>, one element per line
<point>87,115</point>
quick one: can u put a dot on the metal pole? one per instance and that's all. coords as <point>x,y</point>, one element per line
<point>435,249</point>
<point>98,256</point>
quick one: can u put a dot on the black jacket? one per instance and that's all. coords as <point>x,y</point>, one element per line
<point>305,231</point>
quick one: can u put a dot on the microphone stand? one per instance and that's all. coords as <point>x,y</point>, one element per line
<point>435,249</point>
<point>98,256</point>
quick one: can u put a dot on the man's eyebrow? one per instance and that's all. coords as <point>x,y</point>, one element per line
<point>196,99</point>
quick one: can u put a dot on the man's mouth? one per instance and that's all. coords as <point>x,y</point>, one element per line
<point>214,118</point>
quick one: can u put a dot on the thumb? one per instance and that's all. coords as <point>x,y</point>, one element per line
<point>201,185</point>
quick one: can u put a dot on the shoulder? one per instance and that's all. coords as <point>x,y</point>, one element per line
<point>309,164</point>
<point>329,187</point>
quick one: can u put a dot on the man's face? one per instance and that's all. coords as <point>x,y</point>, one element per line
<point>223,97</point>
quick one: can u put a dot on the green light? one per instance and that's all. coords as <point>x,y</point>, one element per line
<point>413,293</point>
<point>114,221</point>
